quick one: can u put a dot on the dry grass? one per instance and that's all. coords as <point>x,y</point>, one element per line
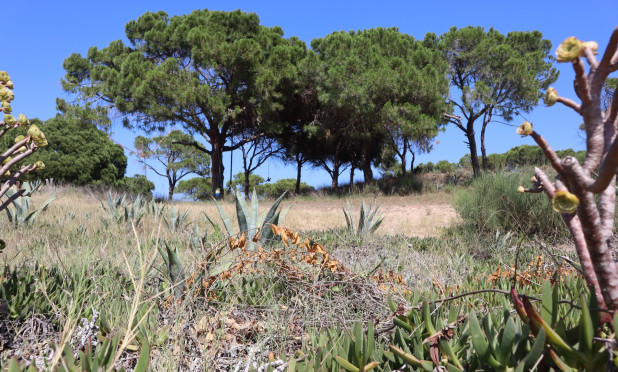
<point>70,233</point>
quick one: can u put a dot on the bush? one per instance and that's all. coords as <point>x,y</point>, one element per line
<point>136,185</point>
<point>277,188</point>
<point>492,203</point>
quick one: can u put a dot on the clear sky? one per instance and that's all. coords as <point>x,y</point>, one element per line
<point>39,34</point>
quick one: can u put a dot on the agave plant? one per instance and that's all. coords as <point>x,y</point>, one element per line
<point>249,222</point>
<point>368,221</point>
<point>21,214</point>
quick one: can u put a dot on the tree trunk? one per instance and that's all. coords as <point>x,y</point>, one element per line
<point>483,151</point>
<point>335,175</point>
<point>246,185</point>
<point>474,158</point>
<point>217,165</point>
<point>170,195</point>
<point>335,183</point>
<point>366,162</point>
<point>486,120</point>
<point>412,162</point>
<point>403,164</point>
<point>299,167</point>
<point>352,169</point>
<point>367,172</point>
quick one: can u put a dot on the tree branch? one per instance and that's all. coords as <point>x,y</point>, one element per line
<point>610,51</point>
<point>575,228</point>
<point>570,103</point>
<point>455,120</point>
<point>554,160</point>
<point>592,59</point>
<point>598,247</point>
<point>581,81</point>
<point>195,144</point>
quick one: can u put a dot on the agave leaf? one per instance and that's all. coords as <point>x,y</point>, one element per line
<point>402,324</point>
<point>505,347</point>
<point>284,213</point>
<point>144,358</point>
<point>480,343</point>
<point>361,220</point>
<point>391,303</point>
<point>351,217</point>
<point>346,365</point>
<point>537,322</point>
<point>254,211</point>
<point>225,218</point>
<point>427,319</point>
<point>377,224</point>
<point>347,219</point>
<point>586,327</point>
<point>371,342</point>
<point>270,216</point>
<point>446,348</point>
<point>242,212</point>
<point>547,303</point>
<point>560,363</point>
<point>411,359</point>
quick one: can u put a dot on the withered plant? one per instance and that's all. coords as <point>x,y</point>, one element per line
<point>585,194</point>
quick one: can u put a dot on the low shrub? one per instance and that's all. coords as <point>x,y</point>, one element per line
<point>493,203</point>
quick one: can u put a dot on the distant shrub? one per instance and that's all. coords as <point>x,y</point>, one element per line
<point>492,203</point>
<point>400,184</point>
<point>136,185</point>
<point>277,188</point>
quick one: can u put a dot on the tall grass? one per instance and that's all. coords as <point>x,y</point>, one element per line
<point>492,203</point>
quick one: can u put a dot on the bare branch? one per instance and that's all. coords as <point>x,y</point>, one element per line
<point>575,228</point>
<point>15,177</point>
<point>592,59</point>
<point>16,160</point>
<point>610,55</point>
<point>550,154</point>
<point>14,148</point>
<point>570,103</point>
<point>607,170</point>
<point>581,81</point>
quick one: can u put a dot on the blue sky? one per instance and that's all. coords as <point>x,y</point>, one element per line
<point>40,34</point>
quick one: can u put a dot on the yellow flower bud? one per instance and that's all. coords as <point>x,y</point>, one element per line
<point>19,138</point>
<point>525,129</point>
<point>10,119</point>
<point>39,165</point>
<point>6,107</point>
<point>551,97</point>
<point>7,173</point>
<point>565,202</point>
<point>37,136</point>
<point>9,84</point>
<point>22,119</point>
<point>4,77</point>
<point>7,159</point>
<point>22,149</point>
<point>569,49</point>
<point>521,189</point>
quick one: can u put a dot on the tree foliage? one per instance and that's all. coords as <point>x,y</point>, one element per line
<point>376,87</point>
<point>197,188</point>
<point>220,74</point>
<point>173,161</point>
<point>494,75</point>
<point>78,153</point>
